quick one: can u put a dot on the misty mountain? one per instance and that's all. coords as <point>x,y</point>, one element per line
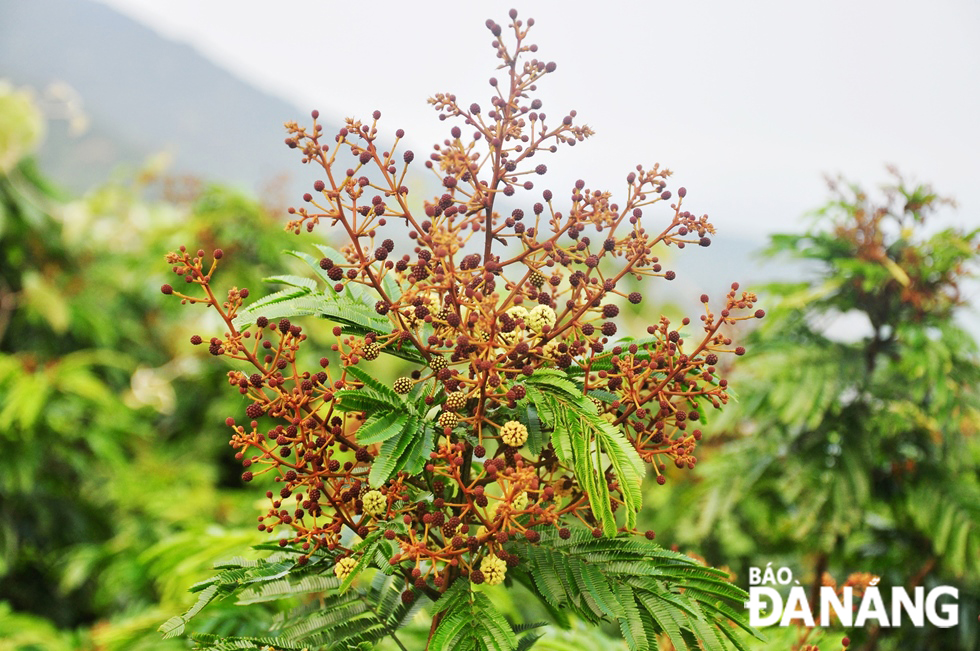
<point>142,94</point>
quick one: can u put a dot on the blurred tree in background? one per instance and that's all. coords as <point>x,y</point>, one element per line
<point>116,487</point>
<point>857,453</point>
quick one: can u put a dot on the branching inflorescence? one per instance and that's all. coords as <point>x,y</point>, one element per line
<point>529,408</point>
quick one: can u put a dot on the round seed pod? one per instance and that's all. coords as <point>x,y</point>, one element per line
<point>371,351</point>
<point>438,362</point>
<point>537,279</point>
<point>403,385</point>
<point>455,401</point>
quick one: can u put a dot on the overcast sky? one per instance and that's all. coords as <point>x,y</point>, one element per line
<point>749,102</point>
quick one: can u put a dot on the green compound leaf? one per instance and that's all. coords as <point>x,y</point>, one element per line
<point>408,451</point>
<point>382,427</point>
<point>646,590</point>
<point>587,443</point>
<point>470,621</point>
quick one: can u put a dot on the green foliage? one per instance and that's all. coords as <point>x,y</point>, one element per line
<point>588,443</point>
<point>350,307</point>
<point>857,454</point>
<point>114,479</point>
<point>309,615</point>
<point>238,573</point>
<point>407,436</point>
<point>470,621</point>
<point>952,515</point>
<point>643,588</point>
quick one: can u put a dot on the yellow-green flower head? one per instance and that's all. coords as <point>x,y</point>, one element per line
<point>520,502</point>
<point>516,312</point>
<point>374,503</point>
<point>494,570</point>
<point>550,349</point>
<point>513,434</point>
<point>539,317</point>
<point>344,567</point>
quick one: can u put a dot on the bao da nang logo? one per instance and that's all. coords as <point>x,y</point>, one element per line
<point>855,604</point>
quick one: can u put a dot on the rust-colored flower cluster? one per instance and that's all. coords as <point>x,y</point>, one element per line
<point>529,407</point>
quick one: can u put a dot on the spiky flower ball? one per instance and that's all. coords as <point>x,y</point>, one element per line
<point>513,434</point>
<point>344,567</point>
<point>550,349</point>
<point>493,569</point>
<point>539,317</point>
<point>455,401</point>
<point>438,363</point>
<point>537,279</point>
<point>520,502</point>
<point>374,503</point>
<point>448,419</point>
<point>403,385</point>
<point>518,312</point>
<point>371,351</point>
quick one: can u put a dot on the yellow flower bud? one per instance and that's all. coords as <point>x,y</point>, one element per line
<point>494,570</point>
<point>539,317</point>
<point>344,567</point>
<point>374,503</point>
<point>513,434</point>
<point>520,502</point>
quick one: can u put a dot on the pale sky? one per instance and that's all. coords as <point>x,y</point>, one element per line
<point>750,102</point>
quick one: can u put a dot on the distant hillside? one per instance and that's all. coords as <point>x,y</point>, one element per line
<point>143,94</point>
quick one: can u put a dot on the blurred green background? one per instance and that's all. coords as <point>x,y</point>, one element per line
<point>118,489</point>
